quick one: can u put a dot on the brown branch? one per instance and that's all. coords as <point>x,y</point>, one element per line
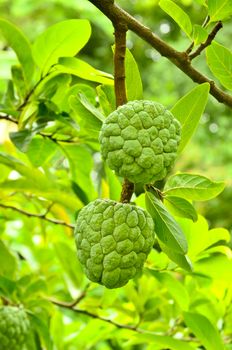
<point>72,304</point>
<point>8,118</point>
<point>208,41</point>
<point>180,59</point>
<point>119,64</point>
<point>39,216</point>
<point>43,134</point>
<point>120,30</point>
<point>133,328</point>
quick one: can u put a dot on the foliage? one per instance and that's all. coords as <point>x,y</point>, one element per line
<point>53,101</point>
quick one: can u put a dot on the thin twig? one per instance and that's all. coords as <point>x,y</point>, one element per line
<point>208,41</point>
<point>39,216</point>
<point>43,134</point>
<point>180,59</point>
<point>133,328</point>
<point>72,304</point>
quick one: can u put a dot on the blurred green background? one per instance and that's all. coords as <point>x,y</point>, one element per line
<point>210,151</point>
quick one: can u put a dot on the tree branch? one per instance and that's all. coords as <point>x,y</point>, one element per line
<point>208,41</point>
<point>120,30</point>
<point>39,216</point>
<point>179,59</point>
<point>119,63</point>
<point>133,328</point>
<point>43,134</point>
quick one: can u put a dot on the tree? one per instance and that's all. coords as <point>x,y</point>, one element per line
<point>54,104</point>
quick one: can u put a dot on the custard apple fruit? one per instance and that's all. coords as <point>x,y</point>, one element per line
<point>139,141</point>
<point>14,328</point>
<point>113,240</point>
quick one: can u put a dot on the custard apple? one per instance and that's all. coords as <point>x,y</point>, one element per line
<point>113,240</point>
<point>14,328</point>
<point>139,141</point>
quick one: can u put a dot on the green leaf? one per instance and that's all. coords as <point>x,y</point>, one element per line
<point>21,139</point>
<point>180,207</point>
<point>219,60</point>
<point>80,170</point>
<point>199,34</point>
<point>193,187</point>
<point>65,38</point>
<point>164,342</point>
<point>174,287</point>
<point>20,44</point>
<point>179,16</point>
<point>166,228</point>
<point>70,263</point>
<point>86,119</point>
<point>7,261</point>
<point>81,69</point>
<point>134,86</point>
<point>40,150</point>
<point>219,9</point>
<point>41,328</point>
<point>7,287</point>
<point>90,107</point>
<point>180,259</point>
<point>106,98</point>
<point>18,79</point>
<point>204,331</point>
<point>188,111</point>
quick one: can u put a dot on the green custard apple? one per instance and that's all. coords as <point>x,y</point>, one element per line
<point>14,328</point>
<point>139,141</point>
<point>113,241</point>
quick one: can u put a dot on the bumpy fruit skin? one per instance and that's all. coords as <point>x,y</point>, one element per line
<point>14,328</point>
<point>139,141</point>
<point>113,240</point>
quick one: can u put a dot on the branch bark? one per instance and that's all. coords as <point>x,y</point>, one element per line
<point>120,30</point>
<point>179,59</point>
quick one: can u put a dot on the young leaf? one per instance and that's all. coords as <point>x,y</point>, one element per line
<point>204,330</point>
<point>134,86</point>
<point>81,69</point>
<point>174,287</point>
<point>199,34</point>
<point>86,119</point>
<point>166,228</point>
<point>21,139</point>
<point>188,111</point>
<point>19,82</point>
<point>180,207</point>
<point>193,187</point>
<point>180,259</point>
<point>69,262</point>
<point>42,329</point>
<point>62,39</point>
<point>164,342</point>
<point>90,107</point>
<point>20,44</point>
<point>40,150</point>
<point>219,9</point>
<point>179,16</point>
<point>7,261</point>
<point>106,98</point>
<point>219,60</point>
